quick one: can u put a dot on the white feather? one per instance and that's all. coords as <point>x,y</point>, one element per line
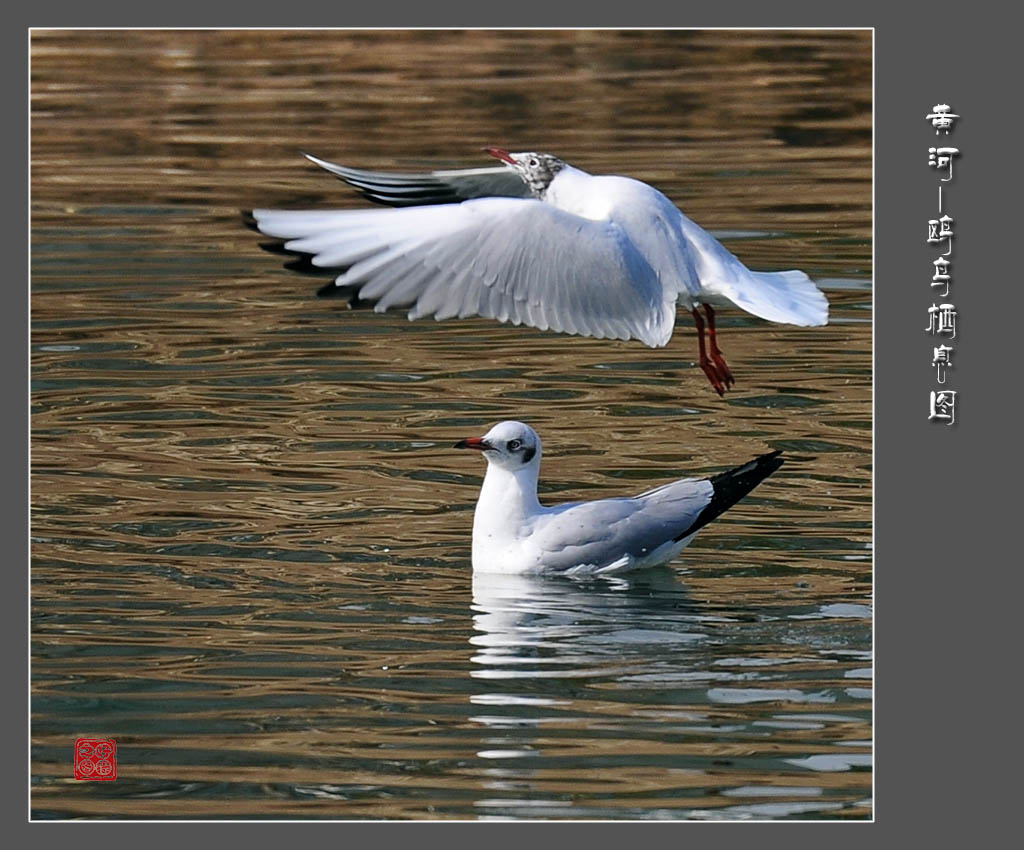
<point>514,533</point>
<point>599,256</point>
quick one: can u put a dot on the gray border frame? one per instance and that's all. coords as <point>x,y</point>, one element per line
<point>945,498</point>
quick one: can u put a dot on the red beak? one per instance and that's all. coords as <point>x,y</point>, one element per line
<point>503,155</point>
<point>478,443</point>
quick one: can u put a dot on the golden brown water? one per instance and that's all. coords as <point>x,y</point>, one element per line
<point>250,534</point>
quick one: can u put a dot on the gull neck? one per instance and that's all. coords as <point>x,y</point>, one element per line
<point>509,495</point>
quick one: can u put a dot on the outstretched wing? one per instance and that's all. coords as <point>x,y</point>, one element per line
<point>511,259</point>
<point>434,187</point>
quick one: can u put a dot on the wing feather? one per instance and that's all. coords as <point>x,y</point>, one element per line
<point>511,259</point>
<point>434,187</point>
<point>620,528</point>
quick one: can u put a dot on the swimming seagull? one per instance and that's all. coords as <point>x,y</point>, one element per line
<point>538,242</point>
<point>514,533</point>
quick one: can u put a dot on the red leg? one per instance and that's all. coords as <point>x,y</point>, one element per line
<point>705,364</point>
<point>716,354</point>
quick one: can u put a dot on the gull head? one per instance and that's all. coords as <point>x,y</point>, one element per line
<point>508,445</point>
<point>536,169</point>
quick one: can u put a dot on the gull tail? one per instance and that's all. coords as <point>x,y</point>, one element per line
<point>733,485</point>
<point>790,297</point>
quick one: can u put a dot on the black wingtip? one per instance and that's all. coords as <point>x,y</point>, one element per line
<point>249,220</point>
<point>732,485</point>
<point>295,260</point>
<point>332,290</point>
<point>277,247</point>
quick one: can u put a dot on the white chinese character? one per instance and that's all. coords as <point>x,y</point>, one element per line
<point>942,320</point>
<point>942,276</point>
<point>941,118</point>
<point>939,229</point>
<point>943,406</point>
<point>942,360</point>
<point>943,158</point>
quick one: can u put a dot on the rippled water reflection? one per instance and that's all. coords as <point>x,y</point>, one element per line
<point>250,534</point>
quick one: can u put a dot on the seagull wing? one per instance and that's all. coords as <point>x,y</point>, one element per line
<point>434,187</point>
<point>614,534</point>
<point>516,260</point>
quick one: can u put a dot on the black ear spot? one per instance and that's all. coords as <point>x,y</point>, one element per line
<point>528,454</point>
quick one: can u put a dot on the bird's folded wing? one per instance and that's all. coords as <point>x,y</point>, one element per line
<point>434,187</point>
<point>514,260</point>
<point>613,533</point>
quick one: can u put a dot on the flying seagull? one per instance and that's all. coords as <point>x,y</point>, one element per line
<point>514,533</point>
<point>538,242</point>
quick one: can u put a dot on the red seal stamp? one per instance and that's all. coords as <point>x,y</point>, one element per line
<point>95,758</point>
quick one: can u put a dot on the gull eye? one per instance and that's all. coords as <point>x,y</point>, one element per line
<point>514,445</point>
<point>533,162</point>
